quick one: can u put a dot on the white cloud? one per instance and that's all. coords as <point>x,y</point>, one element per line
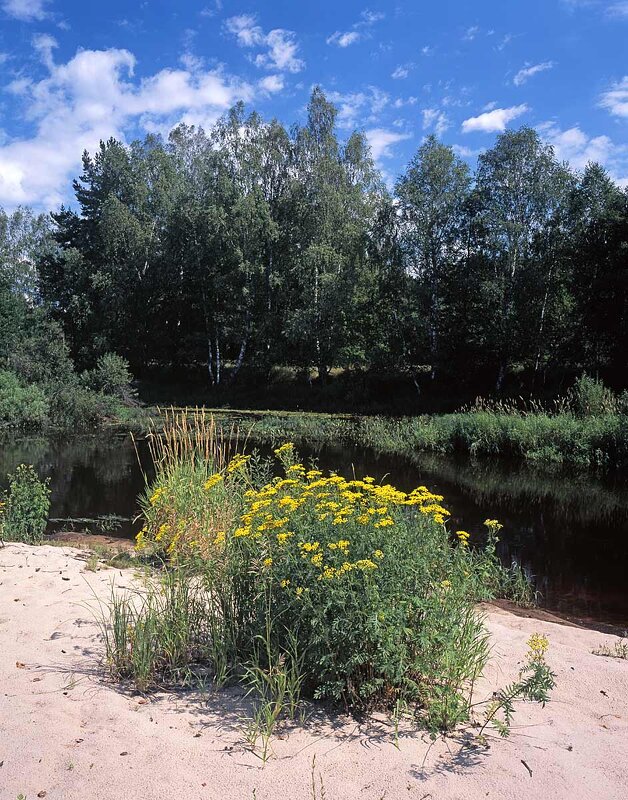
<point>495,120</point>
<point>282,52</point>
<point>272,83</point>
<point>359,107</point>
<point>470,33</point>
<point>211,11</point>
<point>44,44</point>
<point>245,29</point>
<point>427,50</point>
<point>615,99</point>
<point>282,45</point>
<point>435,120</point>
<point>371,17</point>
<point>381,140</point>
<point>576,147</point>
<point>529,70</point>
<point>26,10</point>
<point>465,152</point>
<point>402,71</point>
<point>359,29</point>
<point>400,102</point>
<point>92,97</point>
<point>618,10</point>
<point>344,39</point>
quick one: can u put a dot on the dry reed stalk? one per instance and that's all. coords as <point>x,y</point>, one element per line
<point>193,435</point>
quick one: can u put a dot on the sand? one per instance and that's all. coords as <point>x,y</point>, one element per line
<point>66,732</point>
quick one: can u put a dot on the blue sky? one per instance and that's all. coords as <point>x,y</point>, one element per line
<point>73,72</point>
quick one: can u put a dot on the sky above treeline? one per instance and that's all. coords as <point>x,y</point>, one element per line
<point>73,72</point>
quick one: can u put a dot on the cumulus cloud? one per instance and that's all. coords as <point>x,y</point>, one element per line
<point>529,70</point>
<point>615,99</point>
<point>578,148</point>
<point>359,107</point>
<point>272,83</point>
<point>282,46</point>
<point>359,30</point>
<point>26,10</point>
<point>282,52</point>
<point>381,140</point>
<point>92,97</point>
<point>435,120</point>
<point>495,120</point>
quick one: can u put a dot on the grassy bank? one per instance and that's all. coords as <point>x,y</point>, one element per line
<point>539,437</point>
<point>588,427</point>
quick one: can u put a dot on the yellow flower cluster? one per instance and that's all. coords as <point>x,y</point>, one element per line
<point>236,463</point>
<point>538,645</point>
<point>212,481</point>
<point>305,499</point>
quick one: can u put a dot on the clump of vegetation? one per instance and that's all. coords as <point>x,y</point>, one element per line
<point>111,377</point>
<point>586,428</point>
<point>618,650</point>
<point>536,681</point>
<point>304,584</point>
<point>24,507</point>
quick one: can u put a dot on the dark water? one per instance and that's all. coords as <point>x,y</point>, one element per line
<point>569,531</point>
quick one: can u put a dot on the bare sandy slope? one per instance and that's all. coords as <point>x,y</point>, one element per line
<point>65,731</point>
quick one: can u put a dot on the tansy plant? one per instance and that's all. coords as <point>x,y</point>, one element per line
<point>358,590</point>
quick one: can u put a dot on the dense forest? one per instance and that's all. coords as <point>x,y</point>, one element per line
<point>224,258</point>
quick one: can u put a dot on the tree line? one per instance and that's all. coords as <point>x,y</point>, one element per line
<point>251,247</point>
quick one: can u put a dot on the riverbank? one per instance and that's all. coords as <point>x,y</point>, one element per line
<point>70,733</point>
<point>589,442</point>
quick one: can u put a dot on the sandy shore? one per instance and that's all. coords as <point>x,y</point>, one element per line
<point>68,733</point>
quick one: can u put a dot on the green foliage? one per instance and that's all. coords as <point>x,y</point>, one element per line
<point>23,407</point>
<point>24,508</point>
<point>536,681</point>
<point>360,592</point>
<point>111,376</point>
<point>589,397</point>
<point>537,435</point>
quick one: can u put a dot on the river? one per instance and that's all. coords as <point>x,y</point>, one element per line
<point>568,530</point>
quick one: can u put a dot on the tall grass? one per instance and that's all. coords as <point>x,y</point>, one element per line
<point>587,428</point>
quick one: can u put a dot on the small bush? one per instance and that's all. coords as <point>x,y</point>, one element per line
<point>24,407</point>
<point>24,508</point>
<point>334,588</point>
<point>589,397</point>
<point>111,376</point>
<point>73,407</point>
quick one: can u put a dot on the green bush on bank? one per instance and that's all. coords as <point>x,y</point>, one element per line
<point>307,584</point>
<point>34,399</point>
<point>24,507</point>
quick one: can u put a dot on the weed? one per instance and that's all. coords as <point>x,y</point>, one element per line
<point>618,650</point>
<point>24,507</point>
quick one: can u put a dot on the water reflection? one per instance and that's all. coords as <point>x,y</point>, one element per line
<point>569,531</point>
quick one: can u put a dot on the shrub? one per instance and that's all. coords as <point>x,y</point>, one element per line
<point>24,508</point>
<point>73,407</point>
<point>589,397</point>
<point>24,407</point>
<point>111,376</point>
<point>345,589</point>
